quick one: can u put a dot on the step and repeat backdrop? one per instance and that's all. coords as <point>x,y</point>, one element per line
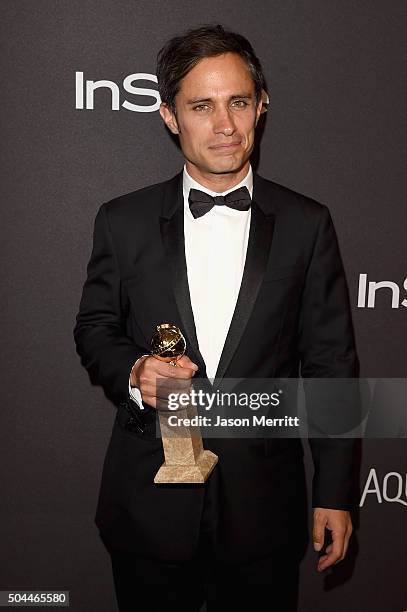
<point>80,126</point>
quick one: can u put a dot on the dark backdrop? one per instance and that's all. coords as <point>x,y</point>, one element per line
<point>335,131</point>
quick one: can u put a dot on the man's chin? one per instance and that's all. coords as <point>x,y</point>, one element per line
<point>227,166</point>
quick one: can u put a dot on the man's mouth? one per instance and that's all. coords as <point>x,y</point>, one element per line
<point>226,146</point>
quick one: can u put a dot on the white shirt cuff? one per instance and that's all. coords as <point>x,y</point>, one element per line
<point>134,392</point>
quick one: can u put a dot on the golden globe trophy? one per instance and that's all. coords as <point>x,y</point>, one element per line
<point>186,461</point>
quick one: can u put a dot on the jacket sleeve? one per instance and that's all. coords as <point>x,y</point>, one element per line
<point>327,351</point>
<point>106,352</point>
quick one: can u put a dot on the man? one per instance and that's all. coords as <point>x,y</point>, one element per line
<point>256,284</point>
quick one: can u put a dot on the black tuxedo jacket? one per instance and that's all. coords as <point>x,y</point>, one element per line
<point>292,316</point>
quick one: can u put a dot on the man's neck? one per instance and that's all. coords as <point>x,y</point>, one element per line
<point>217,182</point>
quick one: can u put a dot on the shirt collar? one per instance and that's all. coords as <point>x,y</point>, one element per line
<point>189,183</point>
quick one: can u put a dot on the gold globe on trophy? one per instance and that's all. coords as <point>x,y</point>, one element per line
<point>167,343</point>
<point>186,461</point>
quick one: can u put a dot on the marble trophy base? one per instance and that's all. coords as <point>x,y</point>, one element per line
<point>186,461</point>
<point>196,473</point>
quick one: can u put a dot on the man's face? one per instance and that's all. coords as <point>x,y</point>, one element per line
<point>216,114</point>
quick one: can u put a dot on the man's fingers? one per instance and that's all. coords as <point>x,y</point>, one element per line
<point>318,534</point>
<point>347,538</point>
<point>158,379</point>
<point>318,540</point>
<point>149,399</point>
<point>158,403</point>
<point>185,362</point>
<point>335,551</point>
<point>167,390</point>
<point>340,524</point>
<point>165,385</point>
<point>151,367</point>
<point>170,371</point>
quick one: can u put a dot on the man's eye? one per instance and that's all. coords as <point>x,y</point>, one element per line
<point>201,107</point>
<point>239,103</point>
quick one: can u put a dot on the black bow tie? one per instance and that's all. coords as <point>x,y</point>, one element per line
<point>200,202</point>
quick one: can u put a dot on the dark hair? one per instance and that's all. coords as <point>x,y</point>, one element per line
<point>181,53</point>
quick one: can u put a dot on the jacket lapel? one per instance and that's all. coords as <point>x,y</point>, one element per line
<point>172,235</point>
<point>258,248</point>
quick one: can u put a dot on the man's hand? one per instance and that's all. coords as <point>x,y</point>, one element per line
<point>150,374</point>
<point>340,524</point>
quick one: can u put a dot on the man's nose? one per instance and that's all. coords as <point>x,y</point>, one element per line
<point>224,123</point>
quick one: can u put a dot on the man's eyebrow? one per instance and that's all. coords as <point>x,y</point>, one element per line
<point>243,96</point>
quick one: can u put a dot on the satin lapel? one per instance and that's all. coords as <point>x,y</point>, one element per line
<point>172,235</point>
<point>258,248</point>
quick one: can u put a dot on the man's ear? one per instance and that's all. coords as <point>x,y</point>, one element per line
<point>262,106</point>
<point>259,111</point>
<point>169,118</point>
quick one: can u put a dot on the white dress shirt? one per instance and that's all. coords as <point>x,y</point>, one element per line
<point>215,252</point>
